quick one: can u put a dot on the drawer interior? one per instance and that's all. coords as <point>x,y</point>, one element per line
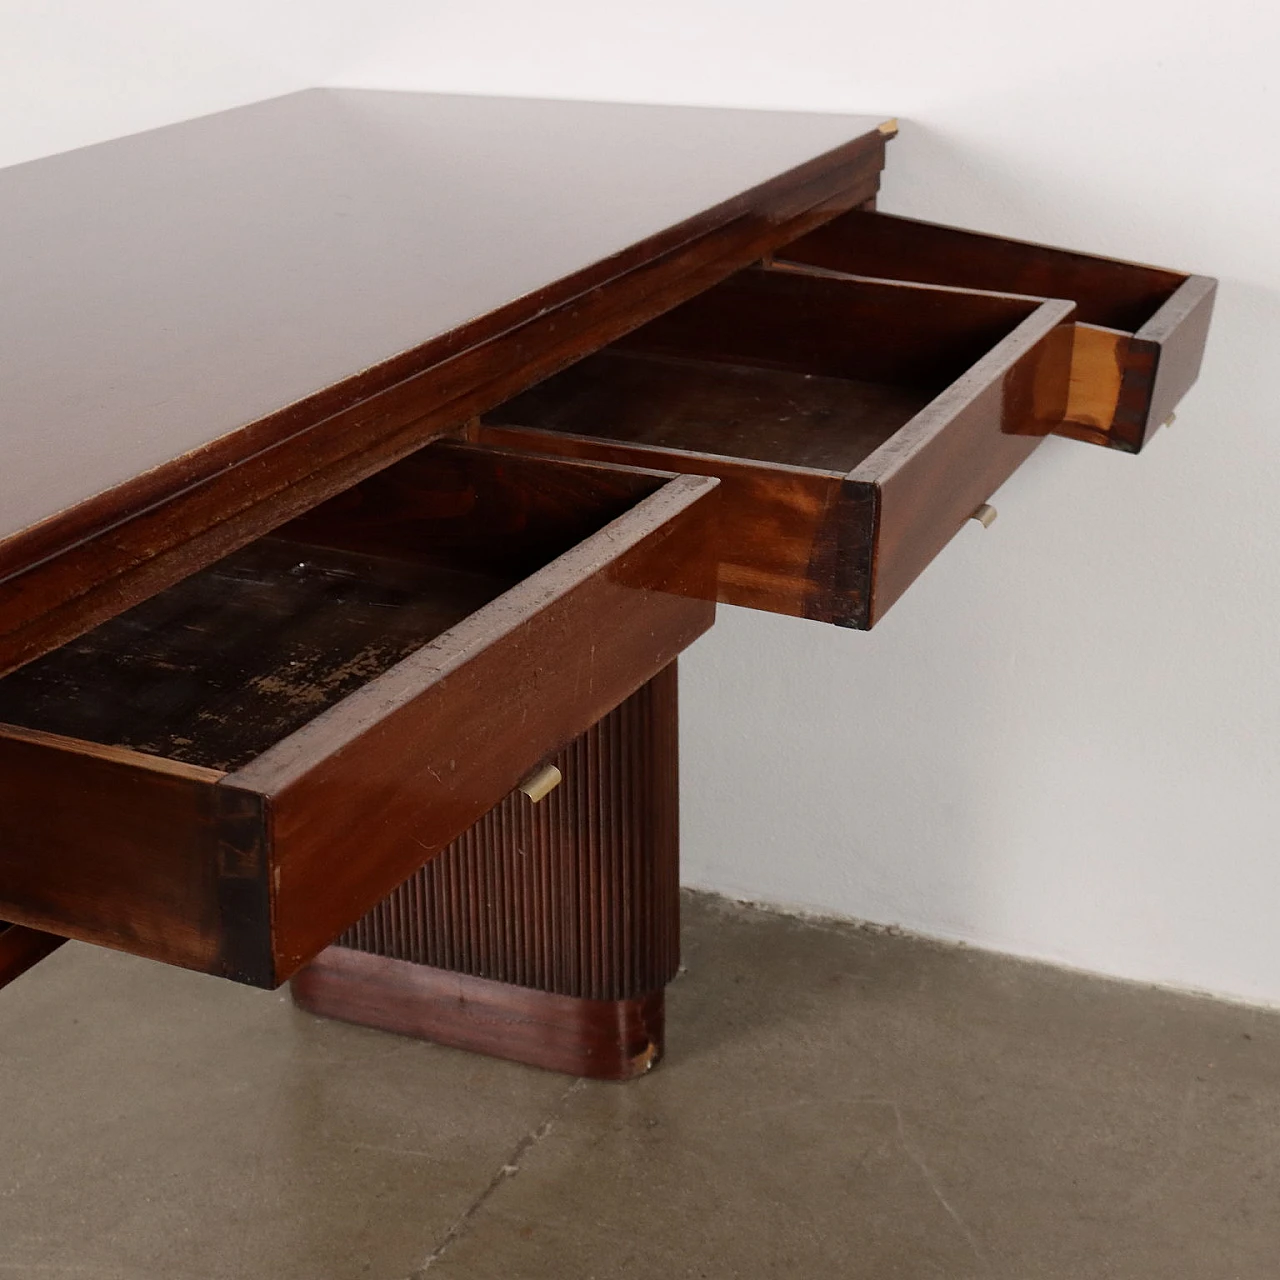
<point>229,775</point>
<point>220,667</point>
<point>854,425</point>
<point>232,773</point>
<point>21,949</point>
<point>1110,293</point>
<point>783,368</point>
<point>1139,331</point>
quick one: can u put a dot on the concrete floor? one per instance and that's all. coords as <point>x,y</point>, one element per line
<point>835,1103</point>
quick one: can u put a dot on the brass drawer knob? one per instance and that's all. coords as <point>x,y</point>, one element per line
<point>985,515</point>
<point>541,783</point>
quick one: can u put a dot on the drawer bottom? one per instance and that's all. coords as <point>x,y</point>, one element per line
<point>220,667</point>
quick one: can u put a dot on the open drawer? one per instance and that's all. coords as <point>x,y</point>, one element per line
<point>229,775</point>
<point>854,425</point>
<point>1139,331</point>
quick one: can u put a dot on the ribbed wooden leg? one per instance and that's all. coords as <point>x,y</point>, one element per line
<point>547,932</point>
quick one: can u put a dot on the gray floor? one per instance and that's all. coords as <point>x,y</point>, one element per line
<point>835,1103</point>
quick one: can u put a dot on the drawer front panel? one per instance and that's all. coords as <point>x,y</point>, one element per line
<point>361,799</point>
<point>1143,328</point>
<point>1179,332</point>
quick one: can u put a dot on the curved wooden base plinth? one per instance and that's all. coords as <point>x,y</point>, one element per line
<point>603,1039</point>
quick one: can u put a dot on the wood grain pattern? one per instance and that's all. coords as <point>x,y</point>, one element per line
<point>111,847</point>
<point>251,872</point>
<point>321,346</point>
<point>770,516</point>
<point>1154,322</point>
<point>578,894</point>
<point>1099,358</point>
<point>598,1039</point>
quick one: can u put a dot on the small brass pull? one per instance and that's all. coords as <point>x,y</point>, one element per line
<point>541,783</point>
<point>888,128</point>
<point>1170,420</point>
<point>985,515</point>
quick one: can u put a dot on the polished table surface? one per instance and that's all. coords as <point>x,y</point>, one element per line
<point>179,301</point>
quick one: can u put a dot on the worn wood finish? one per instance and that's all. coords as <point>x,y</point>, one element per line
<point>818,400</point>
<point>1142,330</point>
<point>599,1039</point>
<point>228,662</point>
<point>577,896</point>
<point>556,657</point>
<point>248,872</point>
<point>219,668</point>
<point>21,949</point>
<point>380,292</point>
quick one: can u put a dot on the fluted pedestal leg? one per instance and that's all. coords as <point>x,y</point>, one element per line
<point>547,932</point>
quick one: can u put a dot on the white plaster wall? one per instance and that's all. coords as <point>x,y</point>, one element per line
<point>1065,741</point>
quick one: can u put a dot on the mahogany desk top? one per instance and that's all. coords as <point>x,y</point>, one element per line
<point>212,326</point>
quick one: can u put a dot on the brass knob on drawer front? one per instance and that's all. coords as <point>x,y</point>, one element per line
<point>540,784</point>
<point>985,515</point>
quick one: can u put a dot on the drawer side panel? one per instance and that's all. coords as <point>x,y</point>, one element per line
<point>1181,328</point>
<point>95,845</point>
<point>953,456</point>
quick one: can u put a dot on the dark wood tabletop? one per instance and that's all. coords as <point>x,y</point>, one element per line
<point>211,326</point>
